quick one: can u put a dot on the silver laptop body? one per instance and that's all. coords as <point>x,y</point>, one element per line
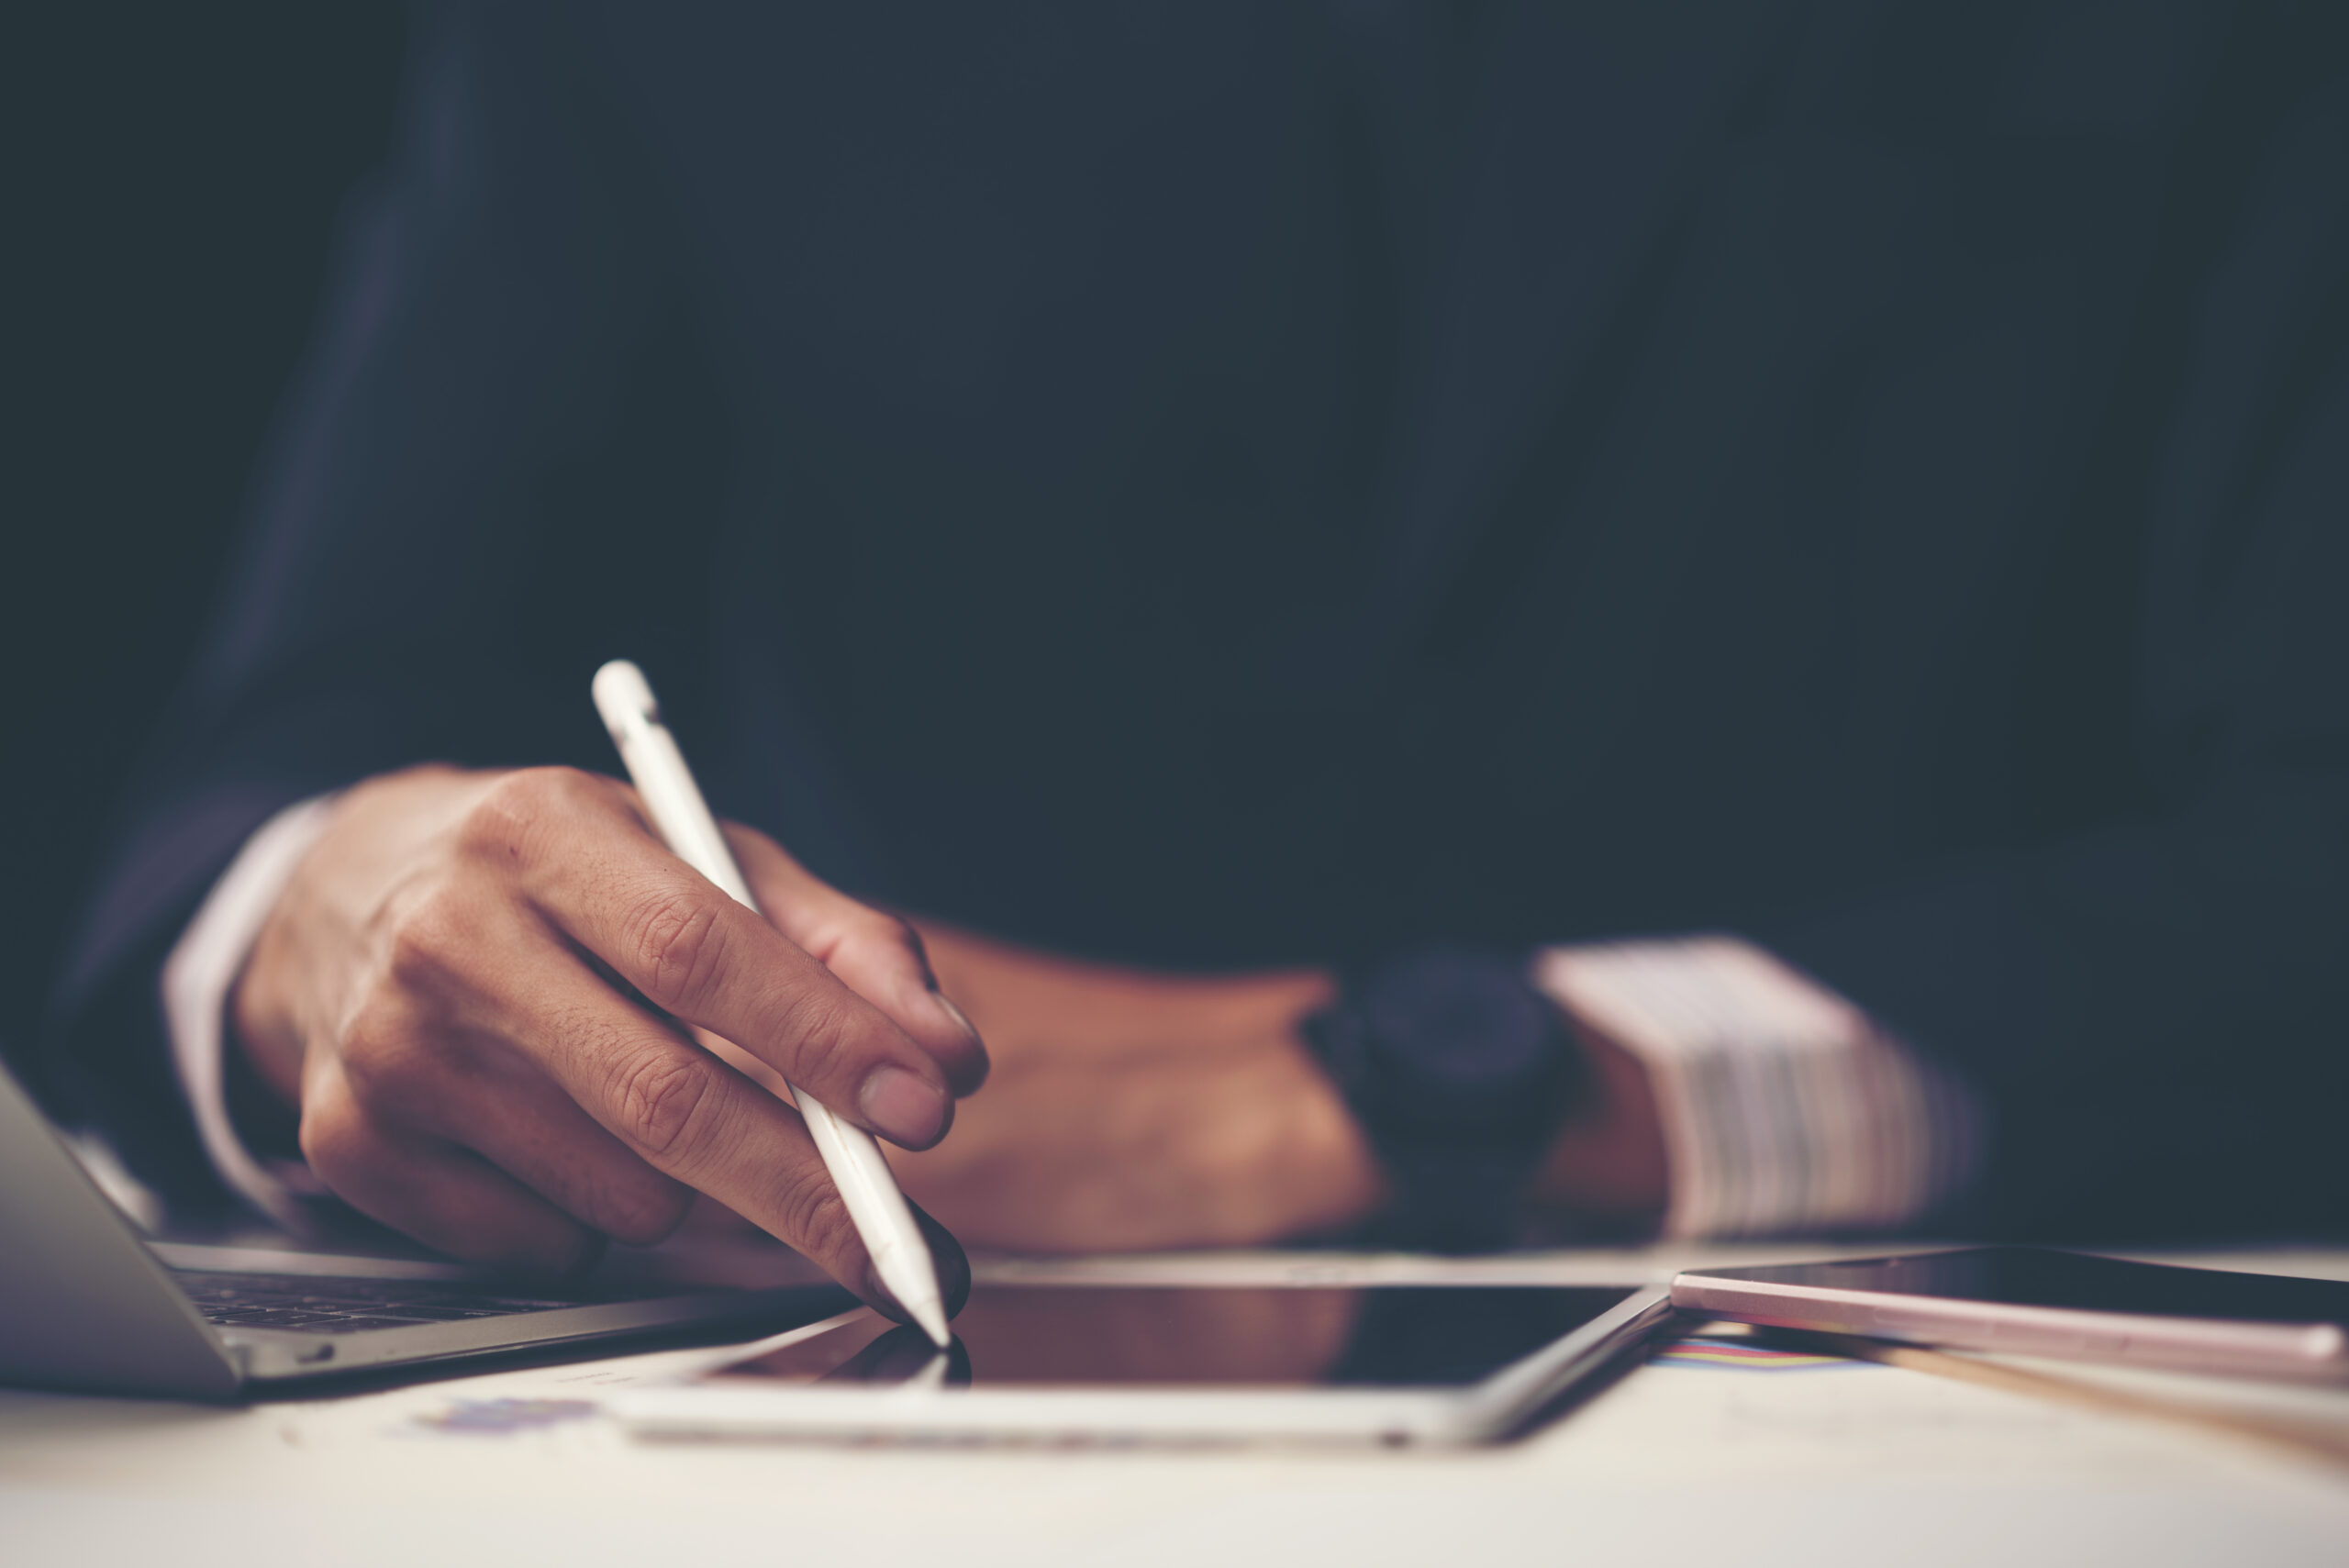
<point>85,1303</point>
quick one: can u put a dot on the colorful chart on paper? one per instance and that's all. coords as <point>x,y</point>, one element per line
<point>1736,1353</point>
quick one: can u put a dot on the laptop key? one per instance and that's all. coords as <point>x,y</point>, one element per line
<point>358,1325</point>
<point>245,1297</point>
<point>281,1301</point>
<point>283,1317</point>
<point>509,1303</point>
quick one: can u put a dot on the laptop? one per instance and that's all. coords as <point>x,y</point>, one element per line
<point>87,1305</point>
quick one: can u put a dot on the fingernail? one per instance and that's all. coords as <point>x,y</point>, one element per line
<point>955,1014</point>
<point>883,1298</point>
<point>902,1108</point>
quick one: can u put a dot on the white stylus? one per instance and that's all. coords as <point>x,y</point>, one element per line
<point>657,770</point>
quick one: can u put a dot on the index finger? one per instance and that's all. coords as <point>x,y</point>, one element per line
<point>689,1116</point>
<point>583,857</point>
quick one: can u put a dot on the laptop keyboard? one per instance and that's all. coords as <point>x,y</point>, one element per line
<point>309,1304</point>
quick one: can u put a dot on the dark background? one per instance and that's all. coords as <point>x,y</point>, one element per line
<point>175,176</point>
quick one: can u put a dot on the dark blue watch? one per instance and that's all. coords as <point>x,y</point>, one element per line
<point>1460,1072</point>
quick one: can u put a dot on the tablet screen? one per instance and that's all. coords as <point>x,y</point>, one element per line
<point>1131,1336</point>
<point>2031,1276</point>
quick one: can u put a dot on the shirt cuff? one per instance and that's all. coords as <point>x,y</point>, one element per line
<point>196,980</point>
<point>1784,1107</point>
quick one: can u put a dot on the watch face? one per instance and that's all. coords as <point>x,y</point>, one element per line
<point>1465,1034</point>
<point>1458,1071</point>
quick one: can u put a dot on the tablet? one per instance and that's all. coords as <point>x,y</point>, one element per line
<point>2030,1301</point>
<point>1140,1362</point>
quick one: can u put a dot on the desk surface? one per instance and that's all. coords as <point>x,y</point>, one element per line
<point>1682,1461</point>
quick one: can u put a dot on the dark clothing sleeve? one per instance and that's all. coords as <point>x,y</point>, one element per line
<point>391,601</point>
<point>2156,1002</point>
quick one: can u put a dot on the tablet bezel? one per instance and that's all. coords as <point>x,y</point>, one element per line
<point>1481,1412</point>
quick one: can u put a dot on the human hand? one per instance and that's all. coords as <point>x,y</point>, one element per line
<point>1131,1110</point>
<point>477,990</point>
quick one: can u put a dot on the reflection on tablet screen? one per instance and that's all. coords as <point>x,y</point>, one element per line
<point>1120,1336</point>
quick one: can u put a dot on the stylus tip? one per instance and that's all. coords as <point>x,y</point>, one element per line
<point>931,1315</point>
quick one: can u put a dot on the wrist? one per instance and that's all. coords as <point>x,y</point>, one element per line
<point>314,939</point>
<point>1458,1073</point>
<point>1325,1166</point>
<point>264,1118</point>
<point>1311,1172</point>
<point>239,1120</point>
<point>1608,1162</point>
<point>264,1045</point>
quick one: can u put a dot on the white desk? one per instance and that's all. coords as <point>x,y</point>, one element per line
<point>1675,1464</point>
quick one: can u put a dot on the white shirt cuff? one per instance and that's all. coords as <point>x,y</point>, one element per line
<point>196,980</point>
<point>1784,1107</point>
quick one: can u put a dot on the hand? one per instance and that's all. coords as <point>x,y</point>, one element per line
<point>1130,1110</point>
<point>477,989</point>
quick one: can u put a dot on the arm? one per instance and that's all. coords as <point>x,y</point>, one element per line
<point>1133,1109</point>
<point>481,995</point>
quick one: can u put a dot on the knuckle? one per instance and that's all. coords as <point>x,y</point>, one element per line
<point>427,948</point>
<point>678,945</point>
<point>642,1213</point>
<point>854,929</point>
<point>823,1037</point>
<point>335,1138</point>
<point>519,805</point>
<point>883,932</point>
<point>382,1053</point>
<point>662,1101</point>
<point>815,1218</point>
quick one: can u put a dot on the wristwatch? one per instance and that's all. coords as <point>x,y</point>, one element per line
<point>1460,1072</point>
